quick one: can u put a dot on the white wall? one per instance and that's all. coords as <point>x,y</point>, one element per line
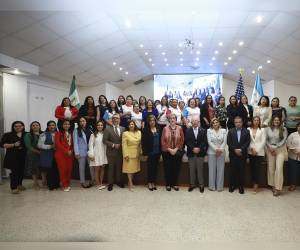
<point>144,89</point>
<point>28,99</point>
<point>14,100</point>
<point>94,91</point>
<point>113,92</point>
<point>284,91</point>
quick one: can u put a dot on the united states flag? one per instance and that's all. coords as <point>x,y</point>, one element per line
<point>239,92</point>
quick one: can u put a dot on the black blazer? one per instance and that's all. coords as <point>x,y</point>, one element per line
<point>147,140</point>
<point>199,142</point>
<point>233,112</point>
<point>232,141</point>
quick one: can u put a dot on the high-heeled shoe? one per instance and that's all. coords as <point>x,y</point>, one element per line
<point>150,188</point>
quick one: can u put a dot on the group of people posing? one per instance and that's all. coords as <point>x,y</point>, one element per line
<point>118,134</point>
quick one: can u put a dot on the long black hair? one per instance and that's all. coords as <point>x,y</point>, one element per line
<point>106,102</point>
<point>48,123</point>
<point>86,130</point>
<point>31,131</point>
<point>13,125</point>
<point>86,101</point>
<point>109,106</point>
<point>66,98</point>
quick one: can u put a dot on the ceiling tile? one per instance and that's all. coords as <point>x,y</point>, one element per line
<point>38,57</point>
<point>58,47</point>
<point>36,35</point>
<point>14,21</point>
<point>14,47</point>
<point>63,23</point>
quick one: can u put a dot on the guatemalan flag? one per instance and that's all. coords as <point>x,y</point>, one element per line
<point>257,91</point>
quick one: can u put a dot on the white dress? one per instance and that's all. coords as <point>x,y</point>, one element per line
<point>97,149</point>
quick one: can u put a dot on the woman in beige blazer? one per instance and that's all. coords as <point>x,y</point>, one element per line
<point>131,147</point>
<point>256,149</point>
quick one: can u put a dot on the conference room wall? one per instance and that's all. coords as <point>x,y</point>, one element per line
<point>28,99</point>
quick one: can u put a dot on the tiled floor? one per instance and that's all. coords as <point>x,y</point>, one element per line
<point>97,216</point>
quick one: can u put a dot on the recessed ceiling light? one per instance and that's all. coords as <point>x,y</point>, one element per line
<point>213,58</point>
<point>241,43</point>
<point>160,45</point>
<point>200,44</point>
<point>181,59</point>
<point>163,53</point>
<point>114,63</point>
<point>211,64</point>
<point>165,59</point>
<point>181,64</point>
<point>153,64</point>
<point>179,44</point>
<point>260,67</point>
<point>150,59</point>
<point>180,53</point>
<point>216,52</point>
<point>194,12</point>
<point>196,64</point>
<point>225,63</point>
<point>198,52</point>
<point>220,44</point>
<point>16,71</point>
<point>268,61</point>
<point>229,58</point>
<point>259,19</point>
<point>128,23</point>
<point>167,64</point>
<point>253,71</point>
<point>120,68</point>
<point>197,58</point>
<point>142,45</point>
<point>126,72</point>
<point>234,51</point>
<point>146,53</point>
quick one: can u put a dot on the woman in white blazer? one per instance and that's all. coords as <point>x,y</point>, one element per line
<point>264,111</point>
<point>216,137</point>
<point>256,149</point>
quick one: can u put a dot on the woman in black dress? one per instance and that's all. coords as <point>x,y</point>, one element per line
<point>15,155</point>
<point>102,107</point>
<point>234,110</point>
<point>88,111</point>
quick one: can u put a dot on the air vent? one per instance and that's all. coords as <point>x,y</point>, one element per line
<point>138,82</point>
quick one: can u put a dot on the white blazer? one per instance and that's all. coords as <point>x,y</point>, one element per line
<point>259,142</point>
<point>216,140</point>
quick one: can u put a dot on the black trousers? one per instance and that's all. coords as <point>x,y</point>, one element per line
<point>293,172</point>
<point>237,171</point>
<point>152,164</point>
<point>172,164</point>
<point>52,176</point>
<point>255,164</point>
<point>17,171</point>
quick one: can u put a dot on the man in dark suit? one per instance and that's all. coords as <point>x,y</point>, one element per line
<point>238,140</point>
<point>196,141</point>
<point>112,138</point>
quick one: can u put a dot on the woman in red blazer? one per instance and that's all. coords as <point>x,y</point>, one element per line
<point>64,154</point>
<point>65,111</point>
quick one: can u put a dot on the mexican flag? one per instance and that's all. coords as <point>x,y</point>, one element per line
<point>73,95</point>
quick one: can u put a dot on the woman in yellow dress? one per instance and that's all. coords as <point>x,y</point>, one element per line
<point>131,146</point>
